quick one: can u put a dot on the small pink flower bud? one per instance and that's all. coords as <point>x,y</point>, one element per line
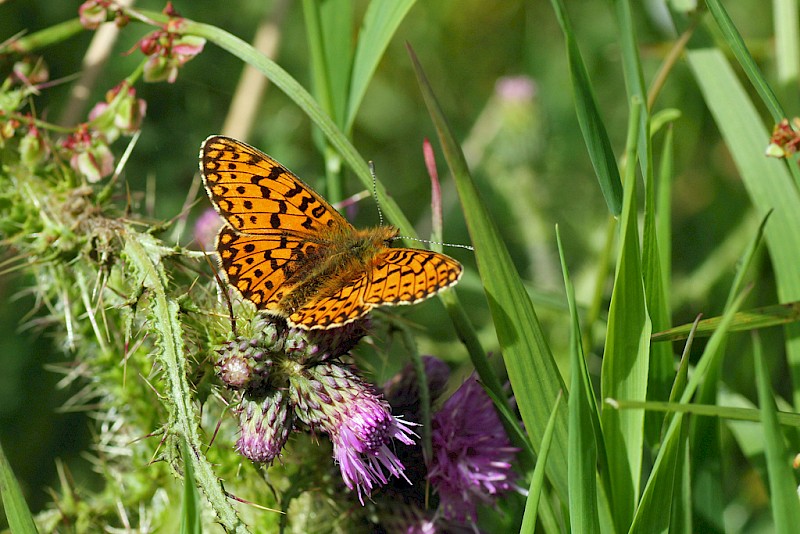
<point>93,13</point>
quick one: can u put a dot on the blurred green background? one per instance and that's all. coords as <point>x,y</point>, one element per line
<point>520,135</point>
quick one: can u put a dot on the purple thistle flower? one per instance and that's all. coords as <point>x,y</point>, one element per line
<point>206,228</point>
<point>402,390</point>
<point>332,398</point>
<point>472,455</point>
<point>264,425</point>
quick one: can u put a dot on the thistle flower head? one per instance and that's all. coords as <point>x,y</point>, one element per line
<point>244,364</point>
<point>332,398</point>
<point>264,425</point>
<point>402,390</point>
<point>472,456</point>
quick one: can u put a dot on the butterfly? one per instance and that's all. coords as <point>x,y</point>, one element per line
<point>293,255</point>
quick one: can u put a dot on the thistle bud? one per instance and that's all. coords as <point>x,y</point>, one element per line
<point>264,424</point>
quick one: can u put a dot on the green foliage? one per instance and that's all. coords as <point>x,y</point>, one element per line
<point>134,317</point>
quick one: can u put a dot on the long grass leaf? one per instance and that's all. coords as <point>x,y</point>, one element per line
<point>736,43</point>
<point>583,422</point>
<point>533,373</point>
<point>379,26</point>
<point>626,355</point>
<point>17,512</point>
<point>190,506</point>
<point>782,485</point>
<point>537,480</point>
<point>591,124</point>
<point>652,514</point>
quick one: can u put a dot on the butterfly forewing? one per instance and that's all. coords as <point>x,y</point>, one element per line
<point>257,195</point>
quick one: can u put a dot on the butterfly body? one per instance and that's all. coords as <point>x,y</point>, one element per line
<point>293,255</point>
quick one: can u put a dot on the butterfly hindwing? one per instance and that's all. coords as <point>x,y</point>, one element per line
<point>407,275</point>
<point>398,276</point>
<point>344,306</point>
<point>261,267</point>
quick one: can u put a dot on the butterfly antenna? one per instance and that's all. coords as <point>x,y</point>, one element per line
<point>429,242</point>
<point>375,192</point>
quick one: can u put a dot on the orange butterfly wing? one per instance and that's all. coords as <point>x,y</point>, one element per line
<point>398,276</point>
<point>276,225</point>
<point>257,195</point>
<point>278,231</point>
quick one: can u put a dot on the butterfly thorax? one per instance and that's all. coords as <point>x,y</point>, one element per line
<point>340,259</point>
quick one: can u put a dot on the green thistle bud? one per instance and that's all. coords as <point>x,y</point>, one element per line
<point>244,364</point>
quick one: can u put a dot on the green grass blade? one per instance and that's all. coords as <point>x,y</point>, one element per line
<point>728,413</point>
<point>745,59</point>
<point>626,355</point>
<point>787,48</point>
<point>653,508</point>
<point>634,79</point>
<point>17,512</point>
<point>767,181</point>
<point>533,373</point>
<point>755,319</point>
<point>379,26</point>
<point>679,385</point>
<point>664,213</point>
<point>190,507</point>
<point>782,485</point>
<point>583,423</point>
<point>537,480</point>
<point>317,46</point>
<point>337,21</point>
<point>594,132</point>
<point>661,373</point>
<point>654,511</point>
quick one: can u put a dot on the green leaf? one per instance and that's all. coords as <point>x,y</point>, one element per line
<point>745,59</point>
<point>18,514</point>
<point>594,132</point>
<point>653,513</point>
<point>754,319</point>
<point>329,29</point>
<point>533,373</point>
<point>626,356</point>
<point>537,480</point>
<point>381,21</point>
<point>782,485</point>
<point>661,371</point>
<point>190,507</point>
<point>584,424</point>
